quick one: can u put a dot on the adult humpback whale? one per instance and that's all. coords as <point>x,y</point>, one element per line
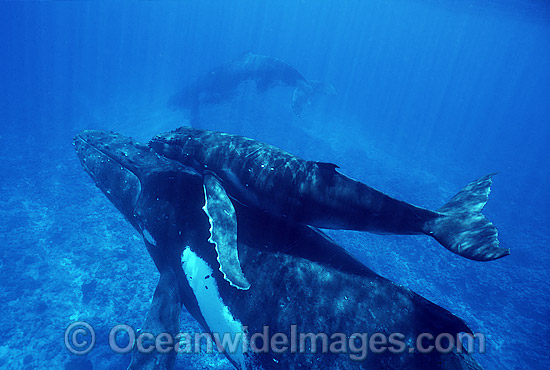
<point>316,194</point>
<point>301,281</point>
<point>221,83</point>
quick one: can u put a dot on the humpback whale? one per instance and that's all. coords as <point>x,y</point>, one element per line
<point>221,83</point>
<point>301,281</point>
<point>207,214</point>
<point>317,194</point>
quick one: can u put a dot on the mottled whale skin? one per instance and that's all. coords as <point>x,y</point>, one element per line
<point>163,201</point>
<point>221,83</point>
<point>299,276</point>
<point>315,193</point>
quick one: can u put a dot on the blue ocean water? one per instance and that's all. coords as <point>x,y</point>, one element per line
<point>430,95</point>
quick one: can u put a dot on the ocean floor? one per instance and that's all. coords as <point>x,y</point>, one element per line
<point>68,255</point>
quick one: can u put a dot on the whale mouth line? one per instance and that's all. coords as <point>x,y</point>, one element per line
<point>138,195</point>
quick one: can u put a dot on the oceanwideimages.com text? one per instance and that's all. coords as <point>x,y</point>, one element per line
<point>80,339</point>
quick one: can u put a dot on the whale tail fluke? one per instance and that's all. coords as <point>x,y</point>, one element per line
<point>463,229</point>
<point>305,90</point>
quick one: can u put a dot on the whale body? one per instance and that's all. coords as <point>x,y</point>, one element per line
<point>301,281</point>
<point>221,83</point>
<point>315,193</point>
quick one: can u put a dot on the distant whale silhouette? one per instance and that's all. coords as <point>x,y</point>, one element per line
<point>299,278</point>
<point>221,83</point>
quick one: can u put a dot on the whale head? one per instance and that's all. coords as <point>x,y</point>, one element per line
<point>159,197</point>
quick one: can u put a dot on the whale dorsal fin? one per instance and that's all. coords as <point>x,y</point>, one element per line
<point>223,231</point>
<point>327,166</point>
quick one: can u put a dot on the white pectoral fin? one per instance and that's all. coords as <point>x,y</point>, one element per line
<point>223,231</point>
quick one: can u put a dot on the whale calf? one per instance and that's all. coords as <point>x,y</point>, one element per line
<point>315,193</point>
<point>221,83</point>
<point>301,281</point>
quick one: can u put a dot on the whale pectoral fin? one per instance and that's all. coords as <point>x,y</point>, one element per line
<point>163,317</point>
<point>223,231</point>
